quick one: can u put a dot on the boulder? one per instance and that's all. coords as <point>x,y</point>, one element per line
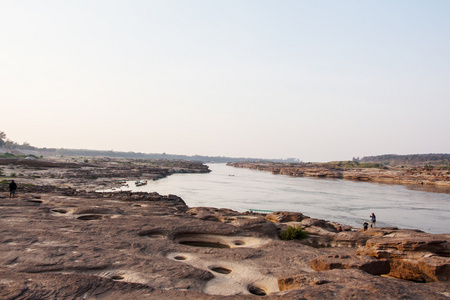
<point>398,247</point>
<point>255,223</point>
<point>418,256</point>
<point>356,284</point>
<point>368,264</point>
<point>309,222</point>
<point>427,269</point>
<point>285,216</point>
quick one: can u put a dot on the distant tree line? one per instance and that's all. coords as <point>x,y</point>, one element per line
<point>433,159</point>
<point>10,145</point>
<point>140,155</point>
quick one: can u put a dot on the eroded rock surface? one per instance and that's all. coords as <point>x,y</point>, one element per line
<point>61,240</point>
<point>413,255</point>
<point>59,243</point>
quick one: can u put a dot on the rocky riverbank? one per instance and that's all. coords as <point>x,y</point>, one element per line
<point>419,176</point>
<point>95,174</point>
<point>64,242</point>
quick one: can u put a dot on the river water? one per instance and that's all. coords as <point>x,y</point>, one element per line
<point>343,201</point>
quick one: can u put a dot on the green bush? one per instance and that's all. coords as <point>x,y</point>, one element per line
<point>291,233</point>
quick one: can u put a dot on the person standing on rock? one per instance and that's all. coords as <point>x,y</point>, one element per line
<point>12,189</point>
<point>373,220</point>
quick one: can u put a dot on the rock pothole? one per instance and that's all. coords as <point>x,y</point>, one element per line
<point>35,201</point>
<point>179,257</point>
<point>230,277</point>
<point>204,244</point>
<point>220,270</point>
<point>59,210</point>
<point>218,241</point>
<point>90,217</point>
<point>256,290</point>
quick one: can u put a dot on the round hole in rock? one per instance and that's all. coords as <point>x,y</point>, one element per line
<point>204,244</point>
<point>220,270</point>
<point>34,201</point>
<point>90,217</point>
<point>117,277</point>
<point>61,211</point>
<point>255,290</point>
<point>179,257</point>
<point>239,243</point>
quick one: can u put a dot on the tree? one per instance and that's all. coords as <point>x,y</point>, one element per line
<point>2,138</point>
<point>27,146</point>
<point>10,144</point>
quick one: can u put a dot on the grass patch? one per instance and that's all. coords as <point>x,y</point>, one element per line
<point>291,233</point>
<point>7,155</point>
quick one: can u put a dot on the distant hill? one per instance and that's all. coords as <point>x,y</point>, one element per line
<point>433,159</point>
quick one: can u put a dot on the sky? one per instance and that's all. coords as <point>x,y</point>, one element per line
<point>313,80</point>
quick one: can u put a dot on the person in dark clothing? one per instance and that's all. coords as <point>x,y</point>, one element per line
<point>365,225</point>
<point>373,220</point>
<point>12,189</point>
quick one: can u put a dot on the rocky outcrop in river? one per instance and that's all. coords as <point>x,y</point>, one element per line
<point>427,175</point>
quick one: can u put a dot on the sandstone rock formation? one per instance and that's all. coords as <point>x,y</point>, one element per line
<point>63,242</point>
<point>68,244</point>
<point>414,256</point>
<point>437,177</point>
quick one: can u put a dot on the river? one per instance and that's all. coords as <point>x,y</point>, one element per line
<point>343,201</point>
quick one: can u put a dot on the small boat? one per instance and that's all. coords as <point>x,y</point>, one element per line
<point>140,182</point>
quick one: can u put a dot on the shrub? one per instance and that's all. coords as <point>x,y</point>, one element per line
<point>291,233</point>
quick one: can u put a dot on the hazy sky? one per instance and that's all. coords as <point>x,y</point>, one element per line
<point>316,80</point>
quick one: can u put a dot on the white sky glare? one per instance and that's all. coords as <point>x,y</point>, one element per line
<point>315,80</point>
